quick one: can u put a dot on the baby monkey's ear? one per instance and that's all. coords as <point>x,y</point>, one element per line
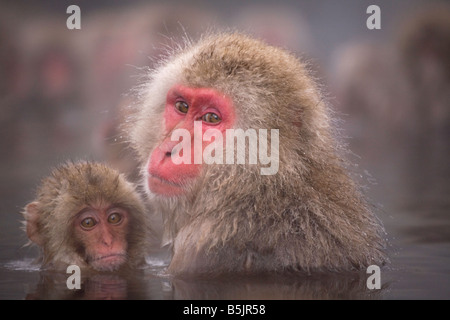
<point>31,219</point>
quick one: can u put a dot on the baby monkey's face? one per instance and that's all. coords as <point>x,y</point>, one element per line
<point>101,236</point>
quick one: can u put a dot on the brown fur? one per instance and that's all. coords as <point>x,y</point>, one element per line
<point>309,216</point>
<point>70,188</point>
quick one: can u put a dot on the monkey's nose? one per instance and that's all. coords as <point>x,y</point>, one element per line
<point>172,150</point>
<point>165,150</point>
<point>107,238</point>
<point>107,242</point>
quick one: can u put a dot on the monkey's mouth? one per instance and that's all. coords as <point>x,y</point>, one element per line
<point>162,186</point>
<point>171,183</point>
<point>109,262</point>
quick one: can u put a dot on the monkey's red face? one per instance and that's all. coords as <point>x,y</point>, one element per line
<point>101,234</point>
<point>186,106</point>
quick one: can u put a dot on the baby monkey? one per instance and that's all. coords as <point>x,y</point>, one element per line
<point>89,215</point>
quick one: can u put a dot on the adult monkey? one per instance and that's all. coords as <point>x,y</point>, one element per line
<point>222,218</point>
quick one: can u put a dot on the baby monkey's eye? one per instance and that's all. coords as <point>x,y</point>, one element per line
<point>114,218</point>
<point>211,117</point>
<point>182,106</point>
<point>88,223</point>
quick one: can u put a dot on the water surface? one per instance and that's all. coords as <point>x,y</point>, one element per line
<point>419,251</point>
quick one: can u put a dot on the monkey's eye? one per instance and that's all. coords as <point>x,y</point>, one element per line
<point>88,223</point>
<point>114,218</point>
<point>182,106</point>
<point>211,117</point>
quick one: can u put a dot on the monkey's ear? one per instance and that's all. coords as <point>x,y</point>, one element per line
<point>31,217</point>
